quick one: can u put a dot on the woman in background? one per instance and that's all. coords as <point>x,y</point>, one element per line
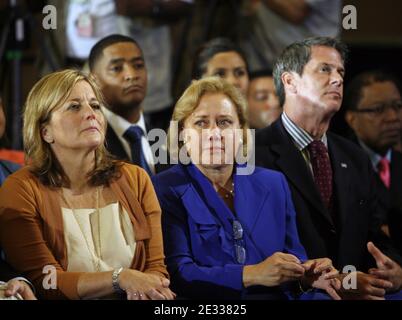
<point>221,57</point>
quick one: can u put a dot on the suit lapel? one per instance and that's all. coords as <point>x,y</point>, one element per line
<point>291,162</point>
<point>396,178</point>
<point>203,192</point>
<point>114,146</point>
<point>341,177</point>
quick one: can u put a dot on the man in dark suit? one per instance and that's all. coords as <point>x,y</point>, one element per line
<point>331,180</point>
<point>117,63</point>
<point>374,107</point>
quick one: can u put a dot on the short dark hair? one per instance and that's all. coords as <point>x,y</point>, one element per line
<point>208,50</point>
<point>353,92</point>
<point>262,73</point>
<point>297,55</point>
<point>102,44</point>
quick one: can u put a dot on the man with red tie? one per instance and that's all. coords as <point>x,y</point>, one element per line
<point>331,179</point>
<point>374,108</point>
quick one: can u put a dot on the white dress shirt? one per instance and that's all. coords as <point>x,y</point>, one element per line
<point>120,125</point>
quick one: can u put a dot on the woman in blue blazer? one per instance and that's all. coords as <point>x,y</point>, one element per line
<point>228,234</point>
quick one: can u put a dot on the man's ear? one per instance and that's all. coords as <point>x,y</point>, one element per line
<point>350,118</point>
<point>47,135</point>
<point>289,82</point>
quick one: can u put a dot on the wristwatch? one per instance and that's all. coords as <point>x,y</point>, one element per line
<point>115,280</point>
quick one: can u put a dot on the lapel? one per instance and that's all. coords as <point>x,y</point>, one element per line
<point>202,196</point>
<point>249,200</point>
<point>396,178</point>
<point>291,162</point>
<point>114,146</point>
<point>341,167</point>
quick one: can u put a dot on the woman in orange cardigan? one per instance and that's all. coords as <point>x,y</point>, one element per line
<point>74,221</point>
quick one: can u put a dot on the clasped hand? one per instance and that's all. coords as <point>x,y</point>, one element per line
<point>283,267</point>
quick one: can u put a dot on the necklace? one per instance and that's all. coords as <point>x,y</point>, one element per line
<point>227,193</point>
<point>98,250</point>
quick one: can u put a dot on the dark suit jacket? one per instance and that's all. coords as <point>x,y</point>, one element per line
<point>390,200</point>
<point>198,232</point>
<point>6,272</point>
<point>395,200</point>
<point>114,146</point>
<point>343,240</point>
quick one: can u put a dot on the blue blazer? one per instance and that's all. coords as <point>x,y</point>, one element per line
<point>7,168</point>
<point>198,233</point>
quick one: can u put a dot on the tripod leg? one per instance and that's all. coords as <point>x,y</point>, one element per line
<point>4,36</point>
<point>46,51</point>
<point>16,124</point>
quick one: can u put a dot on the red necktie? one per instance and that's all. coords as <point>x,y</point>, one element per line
<point>384,171</point>
<point>322,171</point>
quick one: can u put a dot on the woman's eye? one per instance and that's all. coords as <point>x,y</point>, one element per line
<point>220,73</point>
<point>96,106</point>
<point>74,106</point>
<point>200,123</point>
<point>224,123</point>
<point>240,73</point>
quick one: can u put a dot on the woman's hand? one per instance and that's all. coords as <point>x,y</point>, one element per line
<point>321,274</point>
<point>17,286</point>
<point>276,269</point>
<point>145,286</point>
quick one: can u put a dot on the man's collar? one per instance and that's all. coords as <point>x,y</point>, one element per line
<point>374,156</point>
<point>300,136</point>
<point>120,125</point>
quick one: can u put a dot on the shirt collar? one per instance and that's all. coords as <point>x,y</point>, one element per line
<point>375,157</point>
<point>120,125</point>
<point>300,136</point>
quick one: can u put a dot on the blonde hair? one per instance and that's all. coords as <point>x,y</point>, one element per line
<point>47,94</point>
<point>189,101</point>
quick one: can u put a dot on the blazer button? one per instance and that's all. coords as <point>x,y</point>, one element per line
<point>361,202</point>
<point>333,231</point>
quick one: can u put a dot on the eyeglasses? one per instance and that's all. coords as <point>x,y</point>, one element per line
<point>239,242</point>
<point>380,109</point>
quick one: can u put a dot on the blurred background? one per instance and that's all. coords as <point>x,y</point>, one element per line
<point>169,37</point>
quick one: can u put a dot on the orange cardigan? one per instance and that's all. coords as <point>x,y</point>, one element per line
<point>32,236</point>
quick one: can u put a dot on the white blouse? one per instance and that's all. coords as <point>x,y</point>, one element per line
<point>86,234</point>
